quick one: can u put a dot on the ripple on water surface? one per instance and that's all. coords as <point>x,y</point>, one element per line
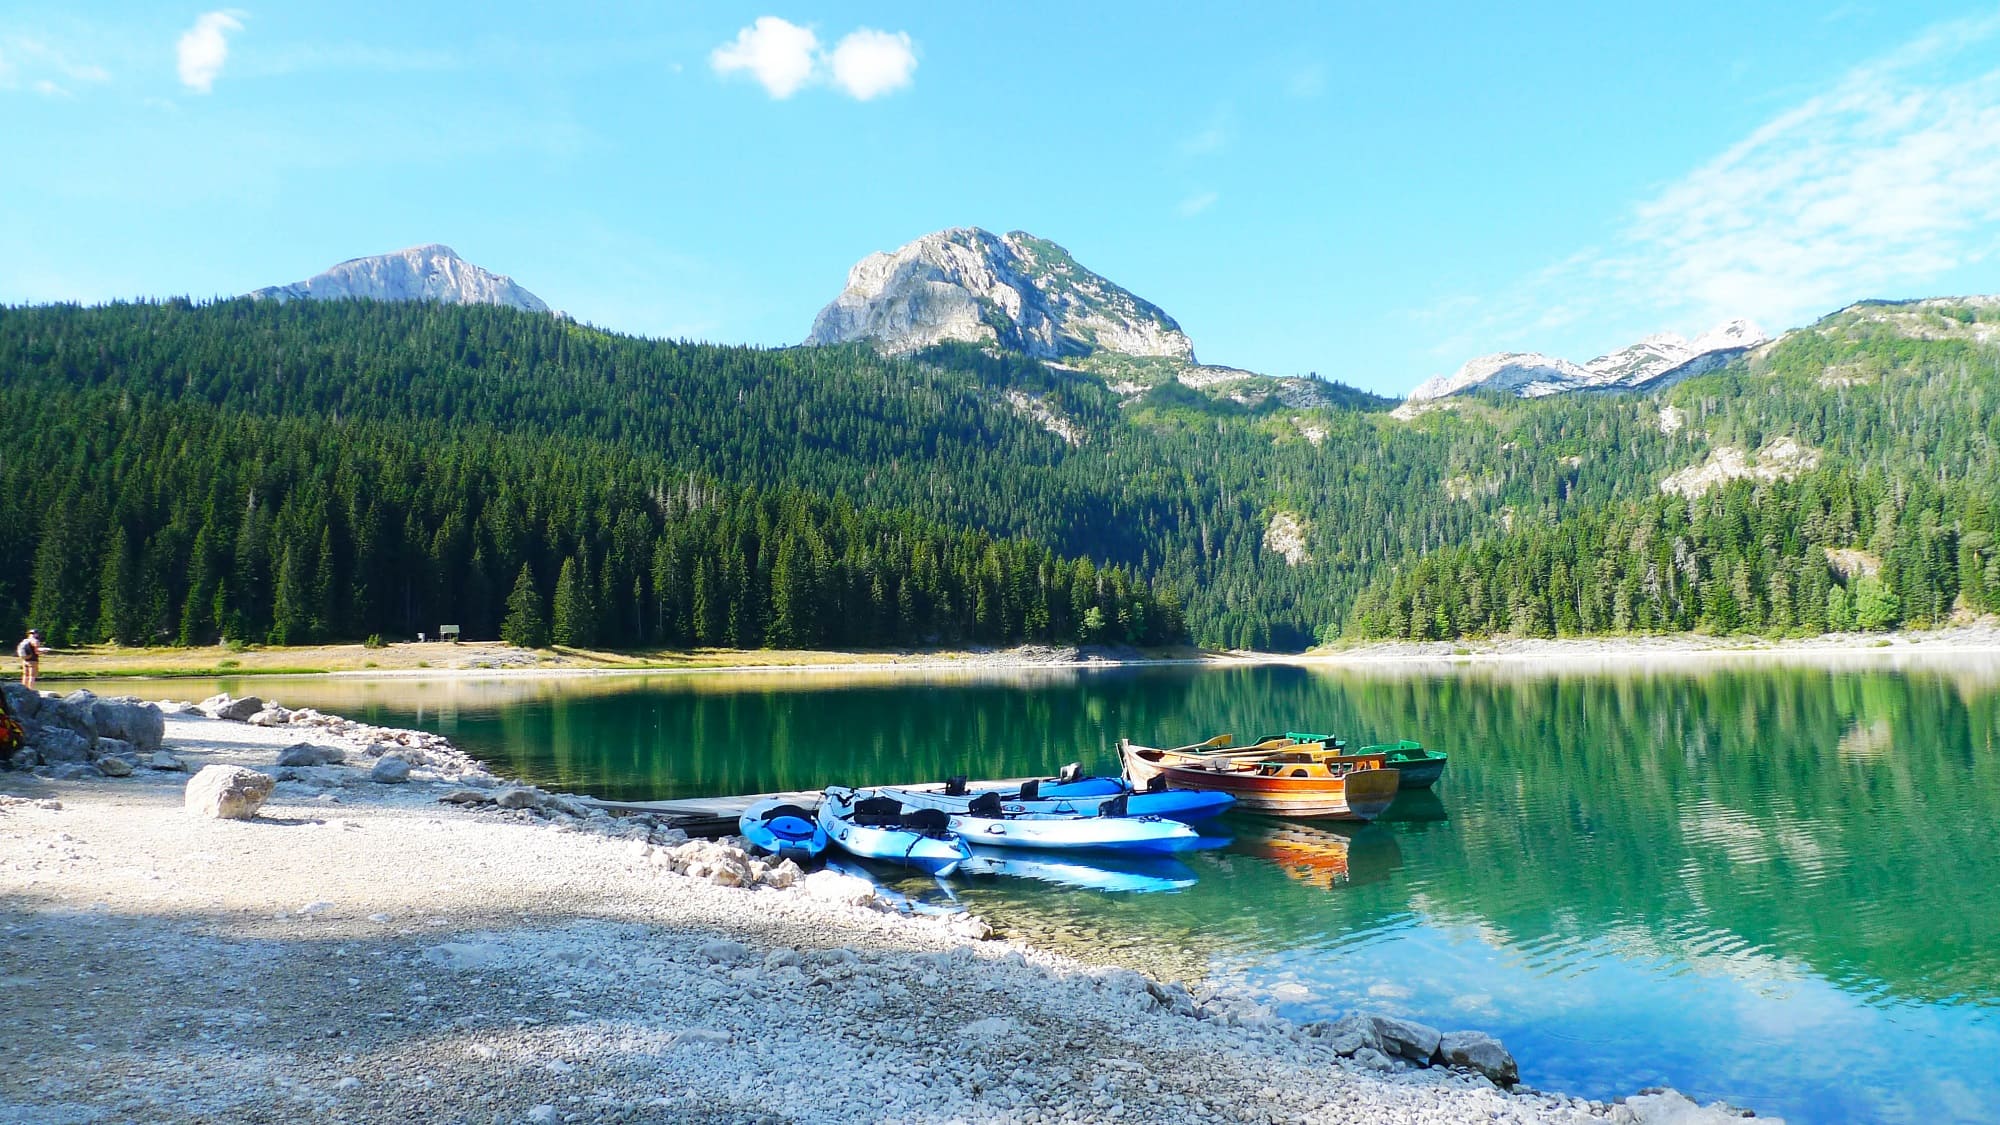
<point>1773,883</point>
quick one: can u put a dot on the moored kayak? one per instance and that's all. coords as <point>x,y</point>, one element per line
<point>983,820</point>
<point>782,829</point>
<point>1086,796</point>
<point>873,826</point>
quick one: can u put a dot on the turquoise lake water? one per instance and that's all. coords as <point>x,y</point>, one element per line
<point>1774,883</point>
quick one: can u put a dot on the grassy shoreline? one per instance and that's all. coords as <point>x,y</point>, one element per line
<point>434,658</point>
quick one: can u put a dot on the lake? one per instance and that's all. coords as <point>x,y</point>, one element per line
<point>1772,882</point>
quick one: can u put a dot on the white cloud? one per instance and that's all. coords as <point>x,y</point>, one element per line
<point>868,63</point>
<point>203,48</point>
<point>40,65</point>
<point>784,58</point>
<point>1883,184</point>
<point>779,54</point>
<point>1195,204</point>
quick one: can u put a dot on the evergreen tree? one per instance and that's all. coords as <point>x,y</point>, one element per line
<point>526,626</point>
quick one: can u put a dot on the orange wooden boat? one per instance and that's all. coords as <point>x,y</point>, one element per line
<point>1281,782</point>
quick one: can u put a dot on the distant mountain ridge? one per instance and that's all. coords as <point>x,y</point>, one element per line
<point>1653,363</point>
<point>432,272</point>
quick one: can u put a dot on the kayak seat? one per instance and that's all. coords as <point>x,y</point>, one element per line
<point>877,812</point>
<point>954,786</point>
<point>987,804</point>
<point>1030,790</point>
<point>777,811</point>
<point>1116,806</point>
<point>929,822</point>
<point>1070,773</point>
<point>1157,783</point>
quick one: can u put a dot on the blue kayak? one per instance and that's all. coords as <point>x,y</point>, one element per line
<point>1077,796</point>
<point>1099,824</point>
<point>873,826</point>
<point>785,830</point>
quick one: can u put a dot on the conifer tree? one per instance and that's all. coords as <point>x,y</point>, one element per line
<point>526,626</point>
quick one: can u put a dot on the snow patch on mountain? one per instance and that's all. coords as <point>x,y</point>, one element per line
<point>1654,362</point>
<point>421,273</point>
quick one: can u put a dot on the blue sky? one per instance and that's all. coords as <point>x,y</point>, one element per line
<point>1375,195</point>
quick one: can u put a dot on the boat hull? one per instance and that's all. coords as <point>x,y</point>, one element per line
<point>937,855</point>
<point>787,835</point>
<point>1185,805</point>
<point>1361,794</point>
<point>1420,775</point>
<point>1137,835</point>
<point>1086,797</point>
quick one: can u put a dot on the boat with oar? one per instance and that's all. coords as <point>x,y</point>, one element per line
<point>1276,780</point>
<point>983,820</point>
<point>1419,768</point>
<point>1072,794</point>
<point>874,826</point>
<point>777,827</point>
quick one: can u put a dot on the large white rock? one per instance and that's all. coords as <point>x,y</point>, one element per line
<point>227,792</point>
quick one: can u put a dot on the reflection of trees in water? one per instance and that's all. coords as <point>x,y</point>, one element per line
<point>1838,813</point>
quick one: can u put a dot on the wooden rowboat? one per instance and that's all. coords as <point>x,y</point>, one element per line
<point>1281,782</point>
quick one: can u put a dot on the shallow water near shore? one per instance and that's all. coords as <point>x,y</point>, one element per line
<point>1775,882</point>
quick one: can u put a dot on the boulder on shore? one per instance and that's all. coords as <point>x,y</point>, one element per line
<point>1476,1050</point>
<point>60,744</point>
<point>390,771</point>
<point>227,792</point>
<point>239,710</point>
<point>311,754</point>
<point>129,720</point>
<point>1407,1039</point>
<point>25,702</point>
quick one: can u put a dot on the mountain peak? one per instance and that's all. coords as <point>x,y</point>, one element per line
<point>1017,290</point>
<point>1657,361</point>
<point>431,272</point>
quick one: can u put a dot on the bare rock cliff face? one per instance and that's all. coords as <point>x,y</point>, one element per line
<point>420,273</point>
<point>1014,290</point>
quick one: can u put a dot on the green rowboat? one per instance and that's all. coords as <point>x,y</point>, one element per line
<point>1418,767</point>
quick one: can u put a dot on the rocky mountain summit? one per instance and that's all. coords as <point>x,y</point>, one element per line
<point>420,273</point>
<point>1026,294</point>
<point>1016,290</point>
<point>1651,364</point>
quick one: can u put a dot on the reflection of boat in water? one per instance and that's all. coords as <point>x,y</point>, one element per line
<point>1311,785</point>
<point>1117,874</point>
<point>1322,857</point>
<point>1421,806</point>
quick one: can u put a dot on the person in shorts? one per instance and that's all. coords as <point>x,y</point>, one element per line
<point>30,651</point>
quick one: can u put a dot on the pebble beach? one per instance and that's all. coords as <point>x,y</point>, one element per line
<point>382,930</point>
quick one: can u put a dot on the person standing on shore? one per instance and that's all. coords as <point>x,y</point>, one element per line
<point>30,651</point>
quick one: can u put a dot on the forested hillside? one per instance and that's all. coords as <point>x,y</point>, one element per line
<point>342,468</point>
<point>138,521</point>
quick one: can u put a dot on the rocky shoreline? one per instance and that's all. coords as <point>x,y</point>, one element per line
<point>364,923</point>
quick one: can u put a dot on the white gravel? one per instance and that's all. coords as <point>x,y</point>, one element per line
<point>361,952</point>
